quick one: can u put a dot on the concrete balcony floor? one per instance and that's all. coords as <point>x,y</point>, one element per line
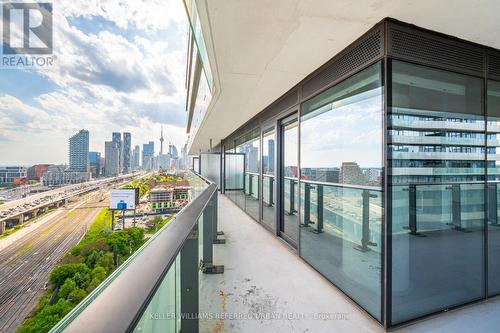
<point>264,277</point>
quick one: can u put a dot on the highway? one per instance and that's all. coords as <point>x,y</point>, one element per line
<point>26,264</point>
<point>33,202</point>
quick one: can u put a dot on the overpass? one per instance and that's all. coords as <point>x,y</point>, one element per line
<point>18,211</point>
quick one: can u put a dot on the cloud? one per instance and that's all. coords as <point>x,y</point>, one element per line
<point>129,78</point>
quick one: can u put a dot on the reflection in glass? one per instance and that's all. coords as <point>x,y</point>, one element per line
<point>493,112</point>
<point>234,174</point>
<point>289,219</point>
<point>268,180</point>
<point>248,198</point>
<point>210,166</point>
<point>341,193</point>
<point>165,300</point>
<point>436,179</point>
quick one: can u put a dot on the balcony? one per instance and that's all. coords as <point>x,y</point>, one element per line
<point>175,282</point>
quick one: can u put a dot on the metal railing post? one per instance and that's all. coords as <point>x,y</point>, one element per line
<point>412,209</point>
<point>456,211</point>
<point>210,237</point>
<point>189,283</point>
<point>492,206</point>
<point>215,219</point>
<point>271,191</point>
<point>365,239</point>
<point>307,205</point>
<point>250,183</point>
<point>319,207</point>
<point>292,196</point>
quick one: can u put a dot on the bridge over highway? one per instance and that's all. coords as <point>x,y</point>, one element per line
<point>18,211</point>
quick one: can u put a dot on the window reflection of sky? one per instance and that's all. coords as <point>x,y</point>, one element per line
<point>347,130</point>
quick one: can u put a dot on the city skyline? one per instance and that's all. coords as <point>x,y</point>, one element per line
<point>119,69</point>
<point>101,149</point>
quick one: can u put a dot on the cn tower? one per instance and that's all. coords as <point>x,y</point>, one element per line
<point>161,141</point>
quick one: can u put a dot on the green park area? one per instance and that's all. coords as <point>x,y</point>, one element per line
<point>82,269</point>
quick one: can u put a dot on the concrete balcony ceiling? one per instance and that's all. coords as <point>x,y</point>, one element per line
<point>260,49</point>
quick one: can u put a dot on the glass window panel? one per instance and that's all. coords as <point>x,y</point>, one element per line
<point>436,150</point>
<point>251,149</point>
<point>163,311</point>
<point>341,187</point>
<point>247,198</point>
<point>289,209</point>
<point>210,167</point>
<point>234,173</point>
<point>268,179</point>
<point>493,162</point>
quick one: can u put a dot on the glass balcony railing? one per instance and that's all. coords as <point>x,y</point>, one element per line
<point>420,208</point>
<point>341,236</point>
<point>157,288</point>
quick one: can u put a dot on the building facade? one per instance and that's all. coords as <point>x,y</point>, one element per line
<point>127,152</point>
<point>111,159</point>
<point>79,151</point>
<point>379,167</point>
<point>9,173</point>
<point>136,158</point>
<point>95,164</point>
<point>36,172</point>
<point>58,175</point>
<point>148,151</point>
<point>117,139</point>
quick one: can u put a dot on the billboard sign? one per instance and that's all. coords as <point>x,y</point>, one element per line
<point>123,199</point>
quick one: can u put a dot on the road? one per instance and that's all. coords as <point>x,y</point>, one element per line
<point>32,202</point>
<point>26,264</point>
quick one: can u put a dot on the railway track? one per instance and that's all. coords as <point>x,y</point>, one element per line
<point>26,264</point>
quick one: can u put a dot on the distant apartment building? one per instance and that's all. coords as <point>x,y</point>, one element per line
<point>95,164</point>
<point>167,196</point>
<point>164,161</point>
<point>36,172</point>
<point>127,152</point>
<point>136,158</point>
<point>79,152</point>
<point>148,150</point>
<point>183,163</point>
<point>117,139</point>
<point>329,175</point>
<point>111,159</point>
<point>351,173</point>
<point>12,174</point>
<point>373,176</point>
<point>172,150</point>
<point>57,175</point>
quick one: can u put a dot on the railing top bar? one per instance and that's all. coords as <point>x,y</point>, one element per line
<point>481,182</point>
<point>123,301</point>
<point>206,180</point>
<point>358,187</point>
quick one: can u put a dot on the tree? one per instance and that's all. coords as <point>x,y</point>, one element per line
<point>77,295</point>
<point>99,273</point>
<point>67,288</point>
<point>63,272</point>
<point>157,221</point>
<point>107,262</point>
<point>93,257</point>
<point>44,320</point>
<point>82,279</point>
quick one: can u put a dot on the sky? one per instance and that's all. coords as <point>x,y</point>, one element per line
<point>120,67</point>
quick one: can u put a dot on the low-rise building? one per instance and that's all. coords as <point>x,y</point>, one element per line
<point>57,175</point>
<point>9,173</point>
<point>165,196</point>
<point>36,171</point>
